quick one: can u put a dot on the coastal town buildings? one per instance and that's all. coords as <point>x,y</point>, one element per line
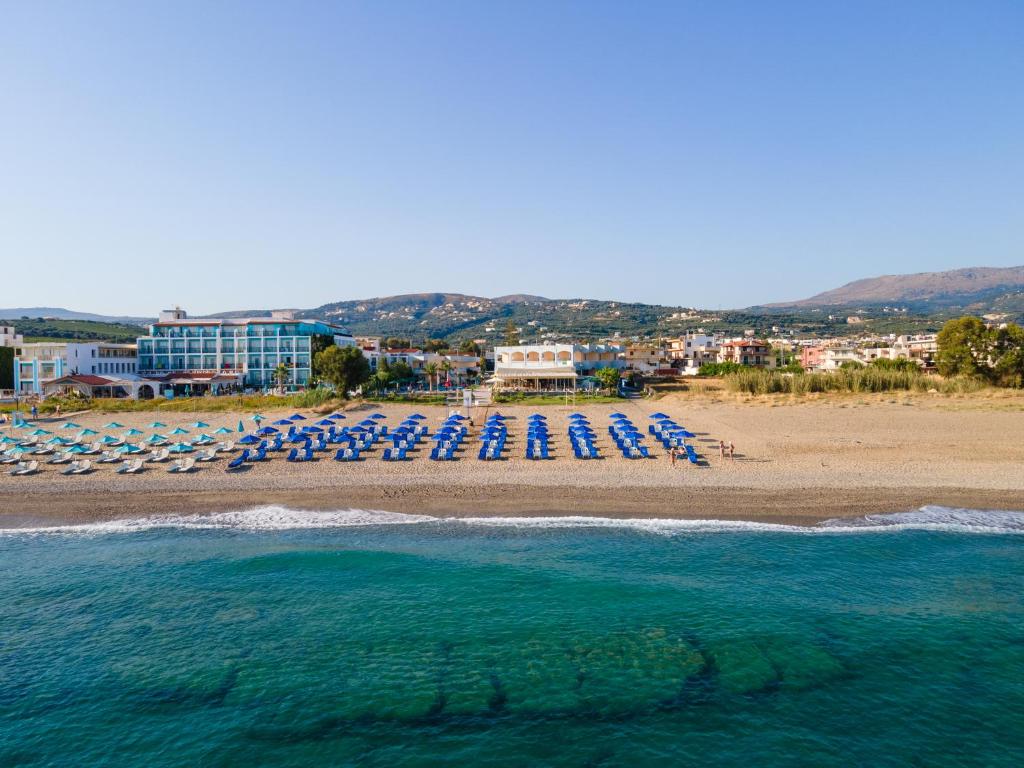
<point>748,352</point>
<point>193,355</point>
<point>9,337</point>
<point>39,363</point>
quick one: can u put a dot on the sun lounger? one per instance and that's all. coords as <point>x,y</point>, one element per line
<point>238,462</point>
<point>109,457</point>
<point>78,468</point>
<point>25,468</point>
<point>161,455</point>
<point>208,455</point>
<point>131,467</point>
<point>61,458</point>
<point>182,465</point>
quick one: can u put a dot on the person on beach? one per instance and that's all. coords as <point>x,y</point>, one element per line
<point>56,410</point>
<point>721,448</point>
<point>35,413</point>
<point>672,455</point>
<point>732,451</point>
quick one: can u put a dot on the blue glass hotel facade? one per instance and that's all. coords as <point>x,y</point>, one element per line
<point>211,354</point>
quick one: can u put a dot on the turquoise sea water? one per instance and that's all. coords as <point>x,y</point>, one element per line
<point>279,638</point>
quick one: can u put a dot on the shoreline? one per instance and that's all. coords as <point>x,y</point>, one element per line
<point>805,506</point>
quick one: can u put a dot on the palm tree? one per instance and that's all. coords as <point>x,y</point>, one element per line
<point>281,374</point>
<point>431,370</point>
<point>446,366</point>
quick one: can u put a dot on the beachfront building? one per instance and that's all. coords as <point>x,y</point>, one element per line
<point>36,364</point>
<point>92,385</point>
<point>646,358</point>
<point>553,367</point>
<point>9,337</point>
<point>753,353</point>
<point>195,355</point>
<point>691,350</point>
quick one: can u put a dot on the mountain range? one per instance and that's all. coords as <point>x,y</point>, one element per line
<point>891,303</point>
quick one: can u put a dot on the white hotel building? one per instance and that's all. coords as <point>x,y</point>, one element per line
<point>552,366</point>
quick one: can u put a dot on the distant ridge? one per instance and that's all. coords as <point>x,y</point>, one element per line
<point>16,313</point>
<point>924,290</point>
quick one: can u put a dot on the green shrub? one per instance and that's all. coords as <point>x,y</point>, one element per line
<point>858,380</point>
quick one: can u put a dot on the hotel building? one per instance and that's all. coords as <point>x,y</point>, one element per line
<point>197,355</point>
<point>38,363</point>
<point>552,366</point>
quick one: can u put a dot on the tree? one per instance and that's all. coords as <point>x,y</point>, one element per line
<point>281,375</point>
<point>1008,347</point>
<point>511,333</point>
<point>394,342</point>
<point>431,370</point>
<point>436,345</point>
<point>345,368</point>
<point>965,348</point>
<point>851,365</point>
<point>400,371</point>
<point>470,347</point>
<point>609,378</point>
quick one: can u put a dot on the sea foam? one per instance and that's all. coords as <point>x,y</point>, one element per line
<point>277,518</point>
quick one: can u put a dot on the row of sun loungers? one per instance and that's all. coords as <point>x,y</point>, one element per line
<point>627,437</point>
<point>673,435</point>
<point>537,439</point>
<point>448,438</point>
<point>581,436</point>
<point>492,438</point>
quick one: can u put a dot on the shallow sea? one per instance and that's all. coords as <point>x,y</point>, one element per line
<point>283,638</point>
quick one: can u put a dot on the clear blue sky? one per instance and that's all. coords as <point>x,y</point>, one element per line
<point>226,156</point>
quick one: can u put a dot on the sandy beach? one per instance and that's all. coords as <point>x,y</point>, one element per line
<point>795,463</point>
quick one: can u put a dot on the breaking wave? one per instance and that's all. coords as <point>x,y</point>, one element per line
<point>276,518</point>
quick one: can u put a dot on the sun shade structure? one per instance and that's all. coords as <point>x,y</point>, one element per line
<point>39,432</point>
<point>133,432</point>
<point>181,448</point>
<point>200,425</point>
<point>282,422</point>
<point>107,440</point>
<point>70,425</point>
<point>249,440</point>
<point>157,425</point>
<point>325,423</point>
<point>223,431</point>
<point>86,432</point>
<point>127,448</point>
<point>114,425</point>
<point>297,417</point>
<point>658,415</point>
<point>156,439</point>
<point>267,431</point>
<point>257,417</point>
<point>178,431</point>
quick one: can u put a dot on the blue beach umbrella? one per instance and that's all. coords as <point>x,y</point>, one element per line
<point>325,423</point>
<point>178,431</point>
<point>181,448</point>
<point>241,427</point>
<point>267,431</point>
<point>658,415</point>
<point>312,430</point>
<point>86,432</point>
<point>257,417</point>
<point>200,424</point>
<point>9,439</point>
<point>336,416</point>
<point>113,425</point>
<point>297,417</point>
<point>55,440</point>
<point>156,439</point>
<point>107,440</point>
<point>133,432</point>
<point>39,433</point>
<point>75,449</point>
<point>128,448</point>
<point>70,425</point>
<point>18,450</point>
<point>223,431</point>
<point>157,425</point>
<point>617,415</point>
<point>282,422</point>
<point>249,440</point>
<point>377,416</point>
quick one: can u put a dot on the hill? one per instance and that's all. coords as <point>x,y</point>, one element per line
<point>73,330</point>
<point>58,313</point>
<point>980,288</point>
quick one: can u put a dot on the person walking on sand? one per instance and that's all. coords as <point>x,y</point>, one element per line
<point>672,455</point>
<point>35,413</point>
<point>732,451</point>
<point>721,448</point>
<point>56,411</point>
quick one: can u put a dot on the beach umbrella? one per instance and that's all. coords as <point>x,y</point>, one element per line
<point>86,432</point>
<point>181,448</point>
<point>249,440</point>
<point>282,422</point>
<point>156,439</point>
<point>113,425</point>
<point>9,439</point>
<point>70,425</point>
<point>241,427</point>
<point>297,417</point>
<point>223,431</point>
<point>178,431</point>
<point>417,416</point>
<point>17,450</point>
<point>133,432</point>
<point>336,416</point>
<point>157,425</point>
<point>200,424</point>
<point>325,423</point>
<point>267,431</point>
<point>257,417</point>
<point>107,440</point>
<point>658,415</point>
<point>313,430</point>
<point>377,416</point>
<point>617,415</point>
<point>128,448</point>
<point>75,449</point>
<point>39,433</point>
<point>55,440</point>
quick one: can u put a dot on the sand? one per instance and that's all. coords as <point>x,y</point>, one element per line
<point>795,463</point>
